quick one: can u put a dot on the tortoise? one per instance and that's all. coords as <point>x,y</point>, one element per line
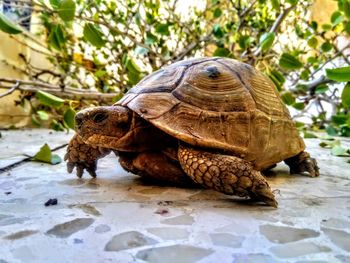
<point>214,121</point>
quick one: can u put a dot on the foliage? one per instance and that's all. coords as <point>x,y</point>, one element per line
<point>109,46</point>
<point>45,155</point>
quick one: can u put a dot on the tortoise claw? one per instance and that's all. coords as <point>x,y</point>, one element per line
<point>303,163</point>
<point>70,167</point>
<point>80,167</point>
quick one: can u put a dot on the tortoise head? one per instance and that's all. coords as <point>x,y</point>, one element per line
<point>103,126</point>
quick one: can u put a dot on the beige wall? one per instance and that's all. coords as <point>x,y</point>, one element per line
<point>322,10</point>
<point>11,115</point>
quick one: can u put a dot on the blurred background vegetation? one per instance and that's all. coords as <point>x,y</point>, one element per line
<point>92,52</point>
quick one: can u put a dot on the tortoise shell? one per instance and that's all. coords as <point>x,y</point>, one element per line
<point>219,104</point>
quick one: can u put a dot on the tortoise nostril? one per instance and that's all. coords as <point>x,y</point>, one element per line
<point>79,119</point>
<point>99,117</point>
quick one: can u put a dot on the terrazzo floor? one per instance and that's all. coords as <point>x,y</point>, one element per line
<point>119,218</point>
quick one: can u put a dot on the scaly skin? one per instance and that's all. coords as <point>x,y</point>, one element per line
<point>226,174</point>
<point>83,156</point>
<point>303,163</point>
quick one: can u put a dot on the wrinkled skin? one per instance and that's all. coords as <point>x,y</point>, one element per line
<point>149,152</point>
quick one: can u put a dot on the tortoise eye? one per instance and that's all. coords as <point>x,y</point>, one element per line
<point>99,117</point>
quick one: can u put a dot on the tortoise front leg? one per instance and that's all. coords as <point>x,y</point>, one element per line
<point>303,162</point>
<point>227,174</point>
<point>83,156</point>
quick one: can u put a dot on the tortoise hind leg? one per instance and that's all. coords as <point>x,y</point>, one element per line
<point>224,173</point>
<point>301,163</point>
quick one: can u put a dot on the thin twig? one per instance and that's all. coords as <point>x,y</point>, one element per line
<point>11,90</point>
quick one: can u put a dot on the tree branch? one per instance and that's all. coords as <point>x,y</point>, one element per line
<point>189,48</point>
<point>244,14</point>
<point>34,86</point>
<point>274,28</point>
<point>11,90</point>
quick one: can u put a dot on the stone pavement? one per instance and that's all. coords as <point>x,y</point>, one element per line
<point>118,218</point>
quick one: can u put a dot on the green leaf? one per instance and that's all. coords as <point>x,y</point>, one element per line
<point>338,150</point>
<point>43,115</point>
<point>322,88</point>
<point>312,42</point>
<point>346,8</point>
<point>56,38</point>
<point>66,10</point>
<point>323,144</point>
<point>68,117</point>
<point>100,73</point>
<point>278,75</point>
<point>326,27</point>
<point>345,96</point>
<point>309,135</point>
<point>277,78</point>
<point>217,31</point>
<point>298,105</point>
<point>221,52</point>
<point>140,51</point>
<point>49,99</point>
<point>336,18</point>
<point>314,25</point>
<point>55,159</point>
<point>217,12</point>
<point>345,131</point>
<point>298,31</point>
<point>163,29</point>
<point>299,124</point>
<point>93,35</point>
<point>7,26</point>
<point>45,155</point>
<point>55,3</point>
<point>35,120</point>
<point>134,77</point>
<point>292,2</point>
<point>304,75</point>
<point>275,4</point>
<point>347,27</point>
<point>339,74</point>
<point>311,60</point>
<point>339,119</point>
<point>266,40</point>
<point>289,62</point>
<point>331,131</point>
<point>287,97</point>
<point>244,41</point>
<point>55,125</point>
<point>150,39</point>
<point>326,46</point>
<point>131,66</point>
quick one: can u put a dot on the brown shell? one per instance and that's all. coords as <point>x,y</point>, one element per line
<point>218,103</point>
